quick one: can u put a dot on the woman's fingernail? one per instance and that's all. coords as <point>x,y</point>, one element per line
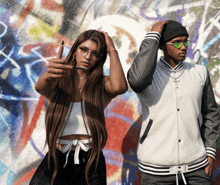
<point>78,68</point>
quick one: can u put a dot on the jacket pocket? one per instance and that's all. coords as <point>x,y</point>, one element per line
<point>146,131</point>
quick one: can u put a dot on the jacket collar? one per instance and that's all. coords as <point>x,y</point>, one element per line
<point>168,66</point>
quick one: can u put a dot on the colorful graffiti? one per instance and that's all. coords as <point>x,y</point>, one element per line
<point>30,34</point>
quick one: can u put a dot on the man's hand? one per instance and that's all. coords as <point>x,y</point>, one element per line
<point>158,27</point>
<point>209,167</point>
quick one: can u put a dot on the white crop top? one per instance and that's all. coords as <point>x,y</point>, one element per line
<point>75,123</point>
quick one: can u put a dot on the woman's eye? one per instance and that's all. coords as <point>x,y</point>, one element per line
<point>95,53</point>
<point>84,49</point>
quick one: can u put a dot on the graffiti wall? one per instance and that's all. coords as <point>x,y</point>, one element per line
<point>30,34</point>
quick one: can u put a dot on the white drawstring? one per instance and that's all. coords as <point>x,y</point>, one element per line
<point>79,144</point>
<point>184,180</point>
<point>177,180</point>
<point>183,177</point>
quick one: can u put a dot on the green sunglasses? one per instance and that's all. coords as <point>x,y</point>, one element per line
<point>180,44</point>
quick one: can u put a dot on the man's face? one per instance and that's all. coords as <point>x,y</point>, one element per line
<point>171,52</point>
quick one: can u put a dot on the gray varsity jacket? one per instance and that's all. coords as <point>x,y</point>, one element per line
<point>180,117</point>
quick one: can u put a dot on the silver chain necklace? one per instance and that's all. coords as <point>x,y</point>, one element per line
<point>79,86</point>
<point>80,78</point>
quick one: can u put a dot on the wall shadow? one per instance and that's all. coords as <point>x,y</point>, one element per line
<point>130,173</point>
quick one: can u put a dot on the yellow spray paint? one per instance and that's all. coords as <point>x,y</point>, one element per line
<point>42,28</point>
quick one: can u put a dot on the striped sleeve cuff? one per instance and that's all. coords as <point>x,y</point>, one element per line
<point>211,152</point>
<point>153,35</point>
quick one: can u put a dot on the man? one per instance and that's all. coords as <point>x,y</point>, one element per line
<point>180,118</point>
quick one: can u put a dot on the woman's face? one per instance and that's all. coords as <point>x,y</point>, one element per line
<point>87,55</point>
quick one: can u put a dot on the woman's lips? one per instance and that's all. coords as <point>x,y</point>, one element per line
<point>86,64</point>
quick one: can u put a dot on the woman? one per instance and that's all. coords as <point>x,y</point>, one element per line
<point>78,93</point>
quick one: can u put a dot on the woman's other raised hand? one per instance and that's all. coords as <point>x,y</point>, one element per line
<point>57,68</point>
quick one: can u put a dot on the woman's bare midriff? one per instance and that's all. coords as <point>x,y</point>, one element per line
<point>73,137</point>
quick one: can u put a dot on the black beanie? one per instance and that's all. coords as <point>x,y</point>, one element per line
<point>171,30</point>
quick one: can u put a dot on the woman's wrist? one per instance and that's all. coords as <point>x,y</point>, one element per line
<point>111,50</point>
<point>47,78</point>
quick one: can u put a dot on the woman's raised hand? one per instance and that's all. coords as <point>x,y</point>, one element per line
<point>57,68</point>
<point>109,42</point>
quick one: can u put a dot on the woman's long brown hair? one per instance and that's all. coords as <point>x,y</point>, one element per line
<point>93,94</point>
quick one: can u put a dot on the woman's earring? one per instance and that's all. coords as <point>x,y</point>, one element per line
<point>74,57</point>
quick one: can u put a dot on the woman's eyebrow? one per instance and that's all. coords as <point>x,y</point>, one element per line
<point>88,48</point>
<point>83,46</point>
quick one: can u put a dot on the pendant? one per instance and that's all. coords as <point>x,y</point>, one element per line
<point>79,86</point>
